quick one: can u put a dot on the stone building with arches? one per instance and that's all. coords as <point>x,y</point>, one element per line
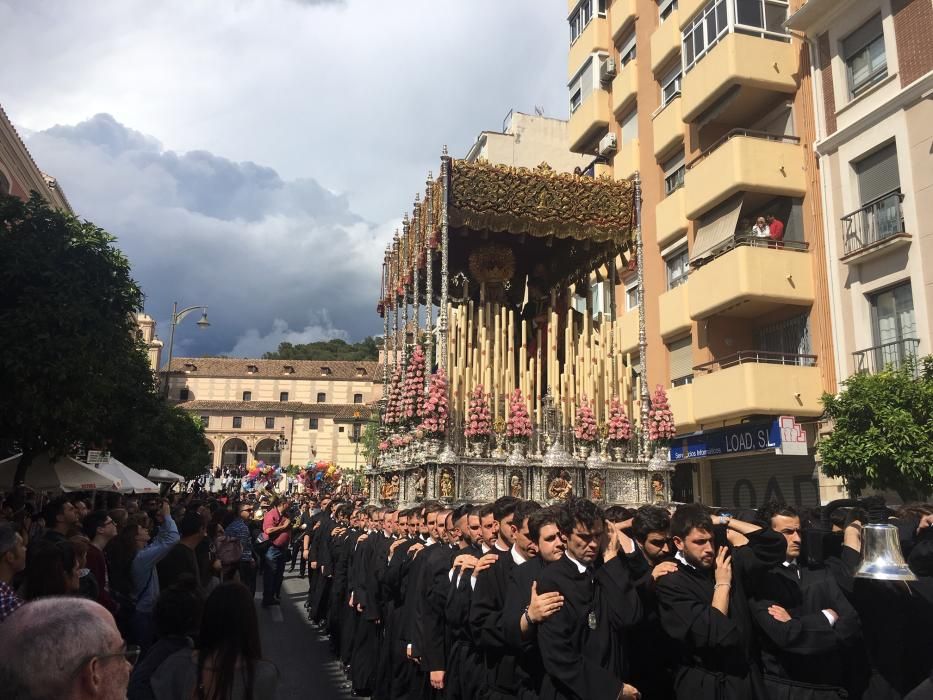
<point>278,411</point>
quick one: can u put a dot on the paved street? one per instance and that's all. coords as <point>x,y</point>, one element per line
<point>302,655</point>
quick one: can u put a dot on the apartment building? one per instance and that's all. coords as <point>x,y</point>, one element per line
<point>278,411</point>
<point>526,141</point>
<point>872,62</point>
<point>710,102</point>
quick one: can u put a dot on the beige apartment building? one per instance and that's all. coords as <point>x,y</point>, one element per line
<point>526,141</point>
<point>710,102</point>
<point>873,83</point>
<point>278,411</point>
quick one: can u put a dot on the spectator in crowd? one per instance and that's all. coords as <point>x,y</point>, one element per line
<point>61,517</point>
<point>775,229</point>
<point>239,528</point>
<point>228,663</point>
<point>57,648</point>
<point>52,569</point>
<point>760,229</point>
<point>101,528</point>
<point>181,561</point>
<point>276,527</point>
<point>12,562</point>
<point>87,582</point>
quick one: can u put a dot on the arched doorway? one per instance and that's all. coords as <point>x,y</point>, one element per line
<point>235,453</point>
<point>210,453</point>
<point>268,451</point>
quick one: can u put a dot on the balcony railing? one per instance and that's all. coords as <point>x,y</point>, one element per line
<point>880,357</point>
<point>762,357</point>
<point>744,239</point>
<point>766,135</point>
<point>879,219</point>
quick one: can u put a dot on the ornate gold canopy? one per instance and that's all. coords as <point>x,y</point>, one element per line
<point>539,202</point>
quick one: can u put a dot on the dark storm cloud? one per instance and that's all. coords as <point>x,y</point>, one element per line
<point>274,259</point>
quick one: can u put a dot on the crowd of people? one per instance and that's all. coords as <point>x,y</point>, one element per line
<point>154,598</point>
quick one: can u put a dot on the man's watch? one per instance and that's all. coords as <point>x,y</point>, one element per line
<point>527,617</point>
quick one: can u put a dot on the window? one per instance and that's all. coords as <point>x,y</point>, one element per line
<point>703,32</point>
<point>677,266</point>
<point>763,18</point>
<point>357,431</point>
<point>582,16</point>
<point>790,337</point>
<point>270,422</point>
<point>582,84</point>
<point>665,8</point>
<point>321,397</point>
<point>184,394</point>
<point>357,398</point>
<point>205,421</point>
<point>247,396</point>
<point>600,298</point>
<point>670,84</point>
<point>893,315</point>
<point>283,396</point>
<point>631,296</point>
<point>674,172</point>
<point>627,48</point>
<point>312,424</point>
<point>863,52</point>
<point>680,359</point>
<point>325,371</point>
<point>630,126</point>
<point>340,429</point>
<point>238,421</point>
<point>879,185</point>
<point>251,369</point>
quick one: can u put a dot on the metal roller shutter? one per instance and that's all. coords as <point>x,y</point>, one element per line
<point>877,174</point>
<point>753,480</point>
<point>681,358</point>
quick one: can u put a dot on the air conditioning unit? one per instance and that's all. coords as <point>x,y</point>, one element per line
<point>607,70</point>
<point>608,144</point>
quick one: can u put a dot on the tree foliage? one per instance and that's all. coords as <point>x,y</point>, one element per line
<point>883,431</point>
<point>369,439</point>
<point>72,367</point>
<point>335,349</point>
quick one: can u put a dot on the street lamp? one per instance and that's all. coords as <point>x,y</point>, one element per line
<point>177,317</point>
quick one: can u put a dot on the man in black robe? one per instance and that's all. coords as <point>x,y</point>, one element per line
<point>804,623</point>
<point>704,609</point>
<point>571,643</point>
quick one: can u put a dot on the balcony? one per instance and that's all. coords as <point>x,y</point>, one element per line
<point>751,278</point>
<point>674,311</point>
<point>874,230</point>
<point>745,161</point>
<point>625,163</point>
<point>625,87</point>
<point>629,321</point>
<point>891,355</point>
<point>756,382</point>
<point>665,42</point>
<point>621,15</point>
<point>669,218</point>
<point>668,125</point>
<point>739,78</point>
<point>588,121</point>
<point>681,400</point>
<point>594,38</point>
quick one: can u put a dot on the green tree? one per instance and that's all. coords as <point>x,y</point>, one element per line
<point>370,438</point>
<point>883,431</point>
<point>72,368</point>
<point>334,349</point>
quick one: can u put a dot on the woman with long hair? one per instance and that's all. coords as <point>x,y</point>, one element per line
<point>228,663</point>
<point>52,568</point>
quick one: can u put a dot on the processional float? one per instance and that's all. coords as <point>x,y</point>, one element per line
<point>500,374</point>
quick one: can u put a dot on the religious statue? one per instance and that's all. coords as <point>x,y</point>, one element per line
<point>657,485</point>
<point>389,490</point>
<point>596,487</point>
<point>446,484</point>
<point>560,488</point>
<point>421,484</point>
<point>516,486</point>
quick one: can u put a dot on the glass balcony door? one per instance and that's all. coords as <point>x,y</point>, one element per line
<point>894,322</point>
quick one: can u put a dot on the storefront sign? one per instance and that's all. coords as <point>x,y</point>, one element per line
<point>786,438</point>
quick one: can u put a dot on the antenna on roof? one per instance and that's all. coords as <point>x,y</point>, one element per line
<point>539,111</point>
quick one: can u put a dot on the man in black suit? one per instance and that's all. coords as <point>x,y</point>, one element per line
<point>571,641</point>
<point>804,623</point>
<point>704,607</point>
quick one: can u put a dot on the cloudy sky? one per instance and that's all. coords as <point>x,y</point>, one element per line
<point>257,159</point>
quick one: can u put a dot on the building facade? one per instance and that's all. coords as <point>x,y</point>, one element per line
<point>279,411</point>
<point>19,174</point>
<point>146,330</point>
<point>872,63</point>
<point>710,103</point>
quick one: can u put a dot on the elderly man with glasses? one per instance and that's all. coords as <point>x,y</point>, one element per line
<point>63,648</point>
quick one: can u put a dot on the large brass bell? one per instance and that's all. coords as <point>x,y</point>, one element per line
<point>882,559</point>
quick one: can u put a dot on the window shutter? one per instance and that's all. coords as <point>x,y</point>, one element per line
<point>681,358</point>
<point>630,127</point>
<point>877,174</point>
<point>861,37</point>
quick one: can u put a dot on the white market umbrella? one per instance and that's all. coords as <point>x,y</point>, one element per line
<point>165,476</point>
<point>132,482</point>
<point>64,474</point>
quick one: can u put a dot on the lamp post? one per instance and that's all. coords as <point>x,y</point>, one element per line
<point>177,317</point>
